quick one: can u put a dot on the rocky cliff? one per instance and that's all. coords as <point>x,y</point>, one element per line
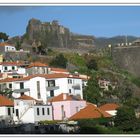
<point>51,34</point>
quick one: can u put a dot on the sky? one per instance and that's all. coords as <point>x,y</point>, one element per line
<point>99,21</point>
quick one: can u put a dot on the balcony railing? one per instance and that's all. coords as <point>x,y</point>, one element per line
<point>52,88</point>
<point>21,90</point>
<point>76,86</point>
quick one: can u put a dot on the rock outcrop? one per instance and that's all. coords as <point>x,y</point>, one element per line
<point>51,34</point>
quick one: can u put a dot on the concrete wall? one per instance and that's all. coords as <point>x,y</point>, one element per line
<point>128,58</point>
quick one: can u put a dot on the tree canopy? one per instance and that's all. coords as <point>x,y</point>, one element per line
<point>59,61</point>
<point>92,91</point>
<point>125,118</point>
<point>3,36</point>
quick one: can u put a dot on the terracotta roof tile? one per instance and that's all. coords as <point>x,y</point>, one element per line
<point>4,101</point>
<point>37,64</point>
<point>59,70</point>
<point>47,76</point>
<point>64,97</point>
<point>25,97</point>
<point>2,44</point>
<point>12,63</point>
<point>90,112</point>
<point>109,106</point>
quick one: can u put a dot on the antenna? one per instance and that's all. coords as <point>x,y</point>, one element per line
<point>126,40</point>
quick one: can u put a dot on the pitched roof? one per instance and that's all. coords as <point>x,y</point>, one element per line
<point>25,97</point>
<point>59,70</point>
<point>90,112</point>
<point>11,63</point>
<point>2,44</point>
<point>63,97</point>
<point>4,101</point>
<point>109,106</point>
<point>47,76</point>
<point>37,64</point>
<point>20,79</point>
<point>60,75</point>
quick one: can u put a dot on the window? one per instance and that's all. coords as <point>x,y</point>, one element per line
<point>5,68</point>
<point>48,111</point>
<point>51,83</point>
<point>9,111</point>
<point>52,93</point>
<point>38,89</point>
<point>10,85</point>
<point>21,85</point>
<point>43,111</point>
<point>17,113</point>
<point>37,111</point>
<point>22,93</point>
<point>69,81</point>
<point>69,90</point>
<point>13,68</point>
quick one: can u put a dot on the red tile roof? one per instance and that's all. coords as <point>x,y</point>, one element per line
<point>47,76</point>
<point>59,70</point>
<point>63,97</point>
<point>4,101</point>
<point>109,106</point>
<point>12,63</point>
<point>2,44</point>
<point>90,112</point>
<point>25,97</point>
<point>37,64</point>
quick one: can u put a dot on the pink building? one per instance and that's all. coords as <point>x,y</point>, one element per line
<point>64,106</point>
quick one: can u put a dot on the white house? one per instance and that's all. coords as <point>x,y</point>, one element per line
<point>34,86</point>
<point>29,110</point>
<point>12,67</point>
<point>6,110</point>
<point>43,87</point>
<point>63,83</point>
<point>5,47</point>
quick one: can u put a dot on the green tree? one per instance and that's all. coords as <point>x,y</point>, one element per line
<point>92,91</point>
<point>59,61</point>
<point>3,36</point>
<point>92,64</point>
<point>7,92</point>
<point>125,119</point>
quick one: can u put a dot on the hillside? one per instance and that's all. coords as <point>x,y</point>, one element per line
<point>101,42</point>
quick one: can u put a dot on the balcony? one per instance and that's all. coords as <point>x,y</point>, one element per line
<point>52,88</point>
<point>76,86</point>
<point>21,90</point>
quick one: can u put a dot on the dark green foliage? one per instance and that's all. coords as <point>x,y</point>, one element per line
<point>41,50</point>
<point>7,92</point>
<point>125,119</point>
<point>92,65</point>
<point>92,91</point>
<point>59,61</point>
<point>3,36</point>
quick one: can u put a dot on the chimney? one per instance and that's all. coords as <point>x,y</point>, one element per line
<point>64,96</point>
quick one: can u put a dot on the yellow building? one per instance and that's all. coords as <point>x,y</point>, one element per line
<point>1,58</point>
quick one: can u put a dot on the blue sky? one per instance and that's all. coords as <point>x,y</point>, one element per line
<point>99,21</point>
